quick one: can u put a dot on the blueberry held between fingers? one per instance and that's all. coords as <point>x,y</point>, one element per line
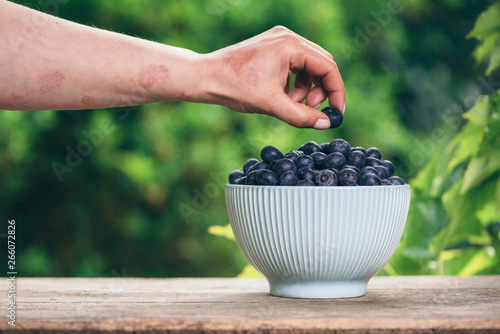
<point>374,153</point>
<point>305,173</point>
<point>265,177</point>
<point>248,164</point>
<point>235,175</point>
<point>335,115</point>
<point>270,153</point>
<point>370,179</point>
<point>341,146</point>
<point>325,178</point>
<point>288,179</point>
<point>348,177</point>
<point>319,158</point>
<point>304,161</point>
<point>310,147</point>
<point>396,181</point>
<point>356,158</point>
<point>334,160</point>
<point>283,165</point>
<point>305,183</point>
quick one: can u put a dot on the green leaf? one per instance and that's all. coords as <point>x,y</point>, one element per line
<point>494,61</point>
<point>461,210</point>
<point>467,262</point>
<point>489,213</point>
<point>487,23</point>
<point>480,168</point>
<point>479,114</point>
<point>249,272</point>
<point>222,231</point>
<point>465,145</point>
<point>484,49</point>
<point>431,178</point>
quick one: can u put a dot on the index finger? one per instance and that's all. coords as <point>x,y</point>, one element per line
<point>318,65</point>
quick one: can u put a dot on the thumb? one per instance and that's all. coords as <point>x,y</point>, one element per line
<point>298,114</point>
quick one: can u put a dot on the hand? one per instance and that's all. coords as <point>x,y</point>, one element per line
<point>254,77</point>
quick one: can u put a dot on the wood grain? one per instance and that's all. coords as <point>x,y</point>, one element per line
<point>404,304</point>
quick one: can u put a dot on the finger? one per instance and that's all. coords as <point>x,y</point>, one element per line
<point>297,114</point>
<point>303,82</point>
<point>318,66</point>
<point>316,96</point>
<point>288,83</point>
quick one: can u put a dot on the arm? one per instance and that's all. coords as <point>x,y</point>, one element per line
<point>50,63</point>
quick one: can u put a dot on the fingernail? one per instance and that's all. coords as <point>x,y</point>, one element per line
<point>322,124</point>
<point>317,106</point>
<point>343,111</point>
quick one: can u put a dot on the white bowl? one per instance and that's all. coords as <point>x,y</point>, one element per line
<point>318,242</point>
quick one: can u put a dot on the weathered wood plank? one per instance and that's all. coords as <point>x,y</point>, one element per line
<point>392,305</point>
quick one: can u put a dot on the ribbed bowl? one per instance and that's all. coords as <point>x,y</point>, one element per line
<point>318,242</point>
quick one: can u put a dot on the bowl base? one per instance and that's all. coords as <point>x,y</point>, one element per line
<point>336,289</point>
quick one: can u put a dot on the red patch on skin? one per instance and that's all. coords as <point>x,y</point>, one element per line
<point>183,96</point>
<point>239,62</point>
<point>86,99</point>
<point>153,75</point>
<point>19,102</point>
<point>51,80</point>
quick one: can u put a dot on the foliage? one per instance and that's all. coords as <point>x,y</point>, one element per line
<point>143,200</point>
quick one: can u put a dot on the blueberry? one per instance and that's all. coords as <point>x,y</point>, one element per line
<point>258,166</point>
<point>265,177</point>
<point>341,146</point>
<point>271,165</point>
<point>336,171</point>
<point>291,155</point>
<point>390,167</point>
<point>270,153</point>
<point>248,164</point>
<point>235,175</point>
<point>382,172</point>
<point>356,158</point>
<point>305,183</point>
<point>374,153</point>
<point>325,146</point>
<point>348,177</point>
<point>386,182</point>
<point>359,148</point>
<point>396,181</point>
<point>299,152</point>
<point>335,115</point>
<point>371,161</point>
<point>326,178</point>
<point>305,173</point>
<point>251,178</point>
<point>241,180</point>
<point>310,147</point>
<point>283,165</point>
<point>304,161</point>
<point>370,179</point>
<point>319,158</point>
<point>334,160</point>
<point>354,168</point>
<point>288,179</point>
<point>368,169</point>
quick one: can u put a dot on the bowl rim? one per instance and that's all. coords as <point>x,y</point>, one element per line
<point>406,185</point>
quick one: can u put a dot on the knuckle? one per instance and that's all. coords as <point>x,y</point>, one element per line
<point>280,29</point>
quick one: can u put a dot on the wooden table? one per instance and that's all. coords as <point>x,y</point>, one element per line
<point>120,305</point>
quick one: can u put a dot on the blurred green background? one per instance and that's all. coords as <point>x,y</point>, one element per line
<point>141,203</point>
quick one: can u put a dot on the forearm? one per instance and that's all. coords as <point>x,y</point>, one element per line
<point>50,63</point>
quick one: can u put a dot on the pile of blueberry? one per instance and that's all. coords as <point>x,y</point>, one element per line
<point>328,164</point>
